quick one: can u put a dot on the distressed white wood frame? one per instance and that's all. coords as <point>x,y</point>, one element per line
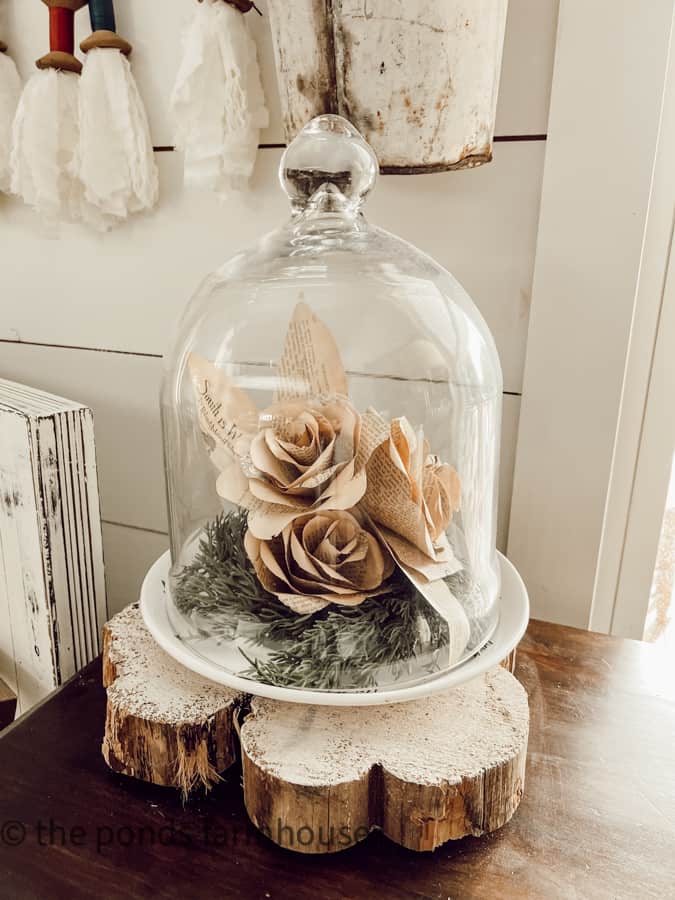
<point>52,591</point>
<point>593,317</point>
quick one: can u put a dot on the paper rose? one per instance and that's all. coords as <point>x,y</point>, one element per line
<point>304,455</point>
<point>321,558</point>
<point>412,497</point>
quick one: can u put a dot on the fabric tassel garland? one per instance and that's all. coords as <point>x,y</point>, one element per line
<point>217,102</point>
<point>10,91</point>
<point>115,158</point>
<point>44,146</point>
<point>45,133</point>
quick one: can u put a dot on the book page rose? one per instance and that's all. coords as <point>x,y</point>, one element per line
<point>321,558</point>
<point>304,456</point>
<point>412,497</point>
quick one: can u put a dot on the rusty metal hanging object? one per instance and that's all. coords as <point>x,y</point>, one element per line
<point>418,78</point>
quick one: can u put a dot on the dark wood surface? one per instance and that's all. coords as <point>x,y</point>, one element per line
<point>597,819</point>
<point>7,705</point>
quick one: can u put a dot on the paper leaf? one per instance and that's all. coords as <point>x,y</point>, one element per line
<point>228,419</point>
<point>310,365</point>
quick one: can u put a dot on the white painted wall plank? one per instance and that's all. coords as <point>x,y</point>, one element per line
<point>527,67</point>
<point>129,553</point>
<point>125,290</point>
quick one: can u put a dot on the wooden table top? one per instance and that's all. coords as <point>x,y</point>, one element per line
<point>597,818</point>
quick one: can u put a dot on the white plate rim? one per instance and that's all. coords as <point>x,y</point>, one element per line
<point>513,621</point>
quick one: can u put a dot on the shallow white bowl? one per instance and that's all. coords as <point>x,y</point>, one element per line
<point>513,618</point>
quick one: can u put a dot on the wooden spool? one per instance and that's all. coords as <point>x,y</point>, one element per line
<point>108,39</point>
<point>318,779</point>
<point>59,57</point>
<point>418,78</point>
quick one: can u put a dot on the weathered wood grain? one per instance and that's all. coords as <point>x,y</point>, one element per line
<point>425,772</point>
<point>319,779</point>
<point>52,590</point>
<point>164,724</point>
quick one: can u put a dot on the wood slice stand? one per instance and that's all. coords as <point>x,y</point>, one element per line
<point>318,779</point>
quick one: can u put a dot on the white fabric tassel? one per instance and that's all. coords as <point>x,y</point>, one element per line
<point>10,91</point>
<point>116,159</point>
<point>44,146</point>
<point>217,102</point>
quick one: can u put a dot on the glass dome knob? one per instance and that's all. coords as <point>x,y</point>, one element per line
<point>329,164</point>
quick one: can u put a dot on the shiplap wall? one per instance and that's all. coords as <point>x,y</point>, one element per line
<point>88,316</point>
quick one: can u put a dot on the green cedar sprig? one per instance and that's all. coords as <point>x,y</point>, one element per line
<point>337,648</point>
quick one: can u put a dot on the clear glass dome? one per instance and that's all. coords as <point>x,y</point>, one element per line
<point>331,413</point>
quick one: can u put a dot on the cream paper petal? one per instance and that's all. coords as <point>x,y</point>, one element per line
<point>309,603</point>
<point>352,599</point>
<point>347,439</point>
<point>226,414</point>
<point>302,605</point>
<point>331,576</point>
<point>272,564</point>
<point>368,573</point>
<point>266,520</point>
<point>374,430</point>
<point>441,491</point>
<point>315,478</point>
<point>345,491</point>
<point>310,364</point>
<point>389,503</point>
<point>231,483</point>
<point>268,493</point>
<point>268,462</point>
<point>411,558</point>
<point>253,549</point>
<point>300,556</point>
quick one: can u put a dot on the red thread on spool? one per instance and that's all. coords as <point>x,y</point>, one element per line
<point>61,29</point>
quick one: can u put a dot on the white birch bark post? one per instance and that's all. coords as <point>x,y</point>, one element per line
<point>418,78</point>
<point>52,588</point>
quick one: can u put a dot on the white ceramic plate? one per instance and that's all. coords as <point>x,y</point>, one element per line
<point>514,615</point>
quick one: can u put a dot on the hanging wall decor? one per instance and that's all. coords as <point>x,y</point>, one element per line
<point>116,156</point>
<point>45,133</point>
<point>10,91</point>
<point>217,102</point>
<point>418,78</point>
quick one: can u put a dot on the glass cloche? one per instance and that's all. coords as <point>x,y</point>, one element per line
<point>331,415</point>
